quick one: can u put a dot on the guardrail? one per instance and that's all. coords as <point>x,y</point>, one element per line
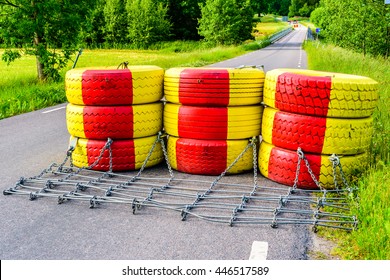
<point>280,34</point>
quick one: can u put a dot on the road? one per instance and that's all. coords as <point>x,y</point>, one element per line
<point>43,230</point>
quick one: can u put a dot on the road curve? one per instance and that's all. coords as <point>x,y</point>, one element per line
<point>42,229</point>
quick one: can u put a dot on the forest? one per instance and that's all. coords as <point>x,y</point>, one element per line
<point>53,30</point>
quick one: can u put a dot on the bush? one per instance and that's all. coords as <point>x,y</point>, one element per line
<point>147,22</point>
<point>226,22</point>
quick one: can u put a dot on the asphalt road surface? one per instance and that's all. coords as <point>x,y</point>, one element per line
<point>42,229</point>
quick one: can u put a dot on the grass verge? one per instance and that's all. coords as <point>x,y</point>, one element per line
<point>21,93</point>
<point>372,206</point>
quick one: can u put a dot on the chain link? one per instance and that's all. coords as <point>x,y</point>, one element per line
<point>147,158</point>
<point>120,191</point>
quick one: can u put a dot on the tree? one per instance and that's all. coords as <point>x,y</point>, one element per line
<point>260,6</point>
<point>184,18</point>
<point>302,7</point>
<point>94,30</point>
<point>226,21</point>
<point>360,25</point>
<point>115,21</point>
<point>147,22</point>
<point>47,29</point>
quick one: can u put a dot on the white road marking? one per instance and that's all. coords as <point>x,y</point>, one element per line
<point>300,58</point>
<point>53,110</point>
<point>259,250</point>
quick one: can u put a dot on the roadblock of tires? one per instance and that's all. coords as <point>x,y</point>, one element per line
<point>118,104</point>
<point>323,114</point>
<point>209,116</point>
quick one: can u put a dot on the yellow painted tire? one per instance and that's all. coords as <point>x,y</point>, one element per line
<point>214,86</point>
<point>208,157</point>
<point>110,86</point>
<point>116,122</point>
<point>279,165</point>
<point>218,123</point>
<point>318,93</point>
<point>127,154</point>
<point>318,135</point>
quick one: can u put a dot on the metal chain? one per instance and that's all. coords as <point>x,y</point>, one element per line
<point>337,164</point>
<point>147,158</point>
<point>69,153</point>
<point>166,157</point>
<point>200,197</point>
<point>106,146</point>
<point>118,193</point>
<point>240,156</point>
<point>255,159</point>
<point>123,65</point>
<point>300,157</point>
<point>313,177</point>
<point>244,199</point>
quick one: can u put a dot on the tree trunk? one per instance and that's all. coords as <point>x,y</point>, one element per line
<point>40,66</point>
<point>37,42</point>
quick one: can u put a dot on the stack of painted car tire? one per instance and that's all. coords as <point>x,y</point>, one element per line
<point>323,114</point>
<point>209,116</point>
<point>123,105</point>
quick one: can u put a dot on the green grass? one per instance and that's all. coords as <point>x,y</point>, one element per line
<point>330,58</point>
<point>372,207</point>
<point>20,92</point>
<point>372,239</point>
<point>265,29</point>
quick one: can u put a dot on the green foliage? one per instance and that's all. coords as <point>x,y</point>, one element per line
<point>302,7</point>
<point>279,7</point>
<point>184,18</point>
<point>115,17</point>
<point>42,28</point>
<point>226,21</point>
<point>372,207</point>
<point>93,31</point>
<point>335,59</point>
<point>147,22</point>
<point>10,55</point>
<point>304,11</point>
<point>360,25</point>
<point>29,98</point>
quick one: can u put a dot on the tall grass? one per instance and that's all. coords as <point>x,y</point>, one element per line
<point>330,58</point>
<point>372,206</point>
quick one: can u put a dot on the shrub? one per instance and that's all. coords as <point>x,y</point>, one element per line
<point>226,22</point>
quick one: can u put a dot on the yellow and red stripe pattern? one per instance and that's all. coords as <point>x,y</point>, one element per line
<point>116,122</point>
<point>127,154</point>
<point>110,86</point>
<point>280,165</point>
<point>214,86</point>
<point>216,123</point>
<point>319,93</point>
<point>318,135</point>
<point>207,157</point>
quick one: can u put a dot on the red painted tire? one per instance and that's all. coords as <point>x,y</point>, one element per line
<point>320,93</point>
<point>116,122</point>
<point>135,85</point>
<point>208,157</point>
<point>316,134</point>
<point>127,154</point>
<point>218,123</point>
<point>214,86</point>
<point>280,165</point>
